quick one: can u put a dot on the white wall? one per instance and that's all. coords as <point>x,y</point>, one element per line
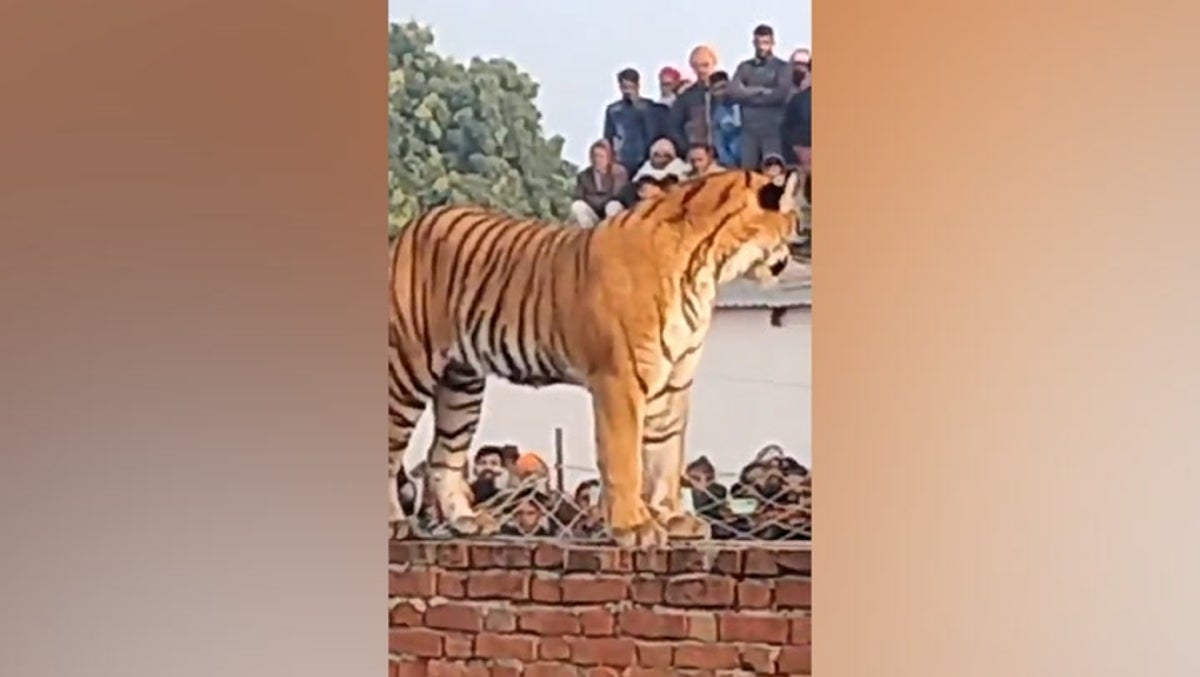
<point>753,386</point>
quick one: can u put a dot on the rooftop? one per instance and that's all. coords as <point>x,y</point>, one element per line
<point>793,290</point>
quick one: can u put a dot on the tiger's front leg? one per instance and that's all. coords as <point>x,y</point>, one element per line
<point>663,438</point>
<point>618,406</point>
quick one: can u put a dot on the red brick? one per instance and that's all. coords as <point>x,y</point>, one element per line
<point>754,595</point>
<point>646,590</point>
<point>512,585</point>
<point>452,584</point>
<point>414,642</point>
<point>552,622</point>
<point>759,659</point>
<point>548,555</point>
<point>706,591</point>
<point>407,615</point>
<point>554,649</point>
<point>702,627</point>
<point>651,562</point>
<point>728,562</point>
<point>545,590</point>
<point>582,560</point>
<point>597,622</point>
<point>499,620</point>
<point>760,563</point>
<point>504,671</point>
<point>594,589</point>
<point>793,593</point>
<point>801,631</point>
<point>647,624</point>
<point>410,668</point>
<point>795,660</point>
<point>689,560</point>
<point>550,670</point>
<point>458,669</point>
<point>458,646</point>
<point>654,655</point>
<point>453,555</point>
<point>708,656</point>
<point>603,672</point>
<point>412,583</point>
<point>795,561</point>
<point>617,652</point>
<point>504,556</point>
<point>488,645</point>
<point>744,628</point>
<point>650,672</point>
<point>454,616</point>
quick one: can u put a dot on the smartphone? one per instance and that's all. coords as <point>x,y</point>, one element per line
<point>742,506</point>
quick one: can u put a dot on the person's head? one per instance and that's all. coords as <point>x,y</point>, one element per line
<point>628,83</point>
<point>801,66</point>
<point>528,514</point>
<point>667,182</point>
<point>488,461</point>
<point>662,152</point>
<point>700,157</point>
<point>773,166</point>
<point>700,472</point>
<point>648,187</point>
<point>703,61</point>
<point>764,40</point>
<point>718,84</point>
<point>530,465</point>
<point>601,155</point>
<point>668,81</point>
<point>587,494</point>
<point>509,454</point>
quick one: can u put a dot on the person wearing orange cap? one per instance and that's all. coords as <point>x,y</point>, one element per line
<point>529,464</point>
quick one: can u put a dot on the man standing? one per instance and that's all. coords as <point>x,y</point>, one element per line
<point>761,86</point>
<point>797,116</point>
<point>691,117</point>
<point>597,187</point>
<point>630,123</point>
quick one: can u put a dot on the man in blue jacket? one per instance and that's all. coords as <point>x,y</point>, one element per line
<point>761,86</point>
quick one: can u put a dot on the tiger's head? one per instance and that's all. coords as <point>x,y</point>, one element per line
<point>754,242</point>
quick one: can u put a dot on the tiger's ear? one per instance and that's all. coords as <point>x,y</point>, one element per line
<point>780,194</point>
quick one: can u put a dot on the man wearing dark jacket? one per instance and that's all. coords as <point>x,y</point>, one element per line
<point>797,116</point>
<point>632,122</point>
<point>761,86</point>
<point>690,122</point>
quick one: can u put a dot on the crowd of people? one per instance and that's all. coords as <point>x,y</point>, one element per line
<point>769,499</point>
<point>758,117</point>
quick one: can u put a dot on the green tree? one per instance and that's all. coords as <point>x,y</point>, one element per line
<point>466,135</point>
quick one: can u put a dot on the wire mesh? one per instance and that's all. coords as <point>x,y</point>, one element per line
<point>769,499</point>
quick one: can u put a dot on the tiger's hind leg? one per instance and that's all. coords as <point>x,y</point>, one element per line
<point>403,416</point>
<point>408,394</point>
<point>457,404</point>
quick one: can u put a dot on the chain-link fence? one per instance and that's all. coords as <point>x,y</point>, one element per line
<point>770,498</point>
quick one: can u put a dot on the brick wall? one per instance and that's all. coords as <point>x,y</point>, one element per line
<point>548,609</point>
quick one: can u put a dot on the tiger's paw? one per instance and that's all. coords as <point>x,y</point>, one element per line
<point>647,535</point>
<point>400,529</point>
<point>687,527</point>
<point>475,524</point>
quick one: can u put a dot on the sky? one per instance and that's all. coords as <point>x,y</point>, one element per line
<point>574,49</point>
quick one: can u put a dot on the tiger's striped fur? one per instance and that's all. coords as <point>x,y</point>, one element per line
<point>621,309</point>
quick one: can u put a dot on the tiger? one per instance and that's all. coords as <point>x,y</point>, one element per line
<point>620,309</point>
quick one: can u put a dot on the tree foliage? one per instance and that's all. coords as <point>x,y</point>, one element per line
<point>466,134</point>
